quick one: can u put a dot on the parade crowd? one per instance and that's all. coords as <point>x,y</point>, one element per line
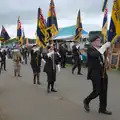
<point>54,59</point>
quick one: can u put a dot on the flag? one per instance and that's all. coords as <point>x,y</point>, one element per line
<point>104,5</point>
<point>52,26</point>
<point>78,32</point>
<point>1,38</point>
<point>4,35</point>
<point>105,25</point>
<point>41,32</point>
<point>19,31</point>
<point>114,29</point>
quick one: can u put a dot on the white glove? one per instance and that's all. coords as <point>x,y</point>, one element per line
<point>78,46</point>
<point>58,54</point>
<point>104,47</point>
<point>107,44</point>
<point>50,53</point>
<point>43,61</point>
<point>58,68</point>
<point>36,49</point>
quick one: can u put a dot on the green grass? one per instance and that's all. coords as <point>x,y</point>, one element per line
<point>68,65</point>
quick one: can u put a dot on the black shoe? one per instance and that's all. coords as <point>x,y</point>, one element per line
<point>86,106</point>
<point>53,90</point>
<point>48,91</point>
<point>19,76</point>
<point>38,83</point>
<point>15,74</point>
<point>105,112</point>
<point>79,73</point>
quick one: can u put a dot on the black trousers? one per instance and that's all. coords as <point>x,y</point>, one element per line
<point>99,89</point>
<point>77,65</point>
<point>63,61</point>
<point>50,84</point>
<point>0,69</point>
<point>3,64</point>
<point>36,75</point>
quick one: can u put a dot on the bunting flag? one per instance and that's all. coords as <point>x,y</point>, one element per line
<point>105,25</point>
<point>19,31</point>
<point>78,32</point>
<point>4,35</point>
<point>114,29</point>
<point>41,33</point>
<point>52,26</point>
<point>104,5</point>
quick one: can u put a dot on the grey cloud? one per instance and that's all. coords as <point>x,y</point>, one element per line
<point>65,9</point>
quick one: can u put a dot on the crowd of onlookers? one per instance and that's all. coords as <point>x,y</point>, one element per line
<point>21,54</point>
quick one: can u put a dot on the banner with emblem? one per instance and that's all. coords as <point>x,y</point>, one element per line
<point>78,32</point>
<point>105,25</point>
<point>41,33</point>
<point>114,29</point>
<point>4,35</point>
<point>52,26</point>
<point>19,32</point>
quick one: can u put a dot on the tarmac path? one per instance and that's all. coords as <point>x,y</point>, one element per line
<point>21,100</point>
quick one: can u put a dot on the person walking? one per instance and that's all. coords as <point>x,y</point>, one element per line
<point>52,60</point>
<point>97,74</point>
<point>36,64</point>
<point>77,59</point>
<point>3,63</point>
<point>17,64</point>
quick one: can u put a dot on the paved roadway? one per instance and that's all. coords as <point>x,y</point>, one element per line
<point>21,100</point>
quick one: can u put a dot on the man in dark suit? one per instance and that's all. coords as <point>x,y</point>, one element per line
<point>77,59</point>
<point>62,51</point>
<point>3,63</point>
<point>97,74</point>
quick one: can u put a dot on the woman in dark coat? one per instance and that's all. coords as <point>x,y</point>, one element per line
<point>52,60</point>
<point>36,64</point>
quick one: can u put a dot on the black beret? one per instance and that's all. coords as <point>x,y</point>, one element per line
<point>94,38</point>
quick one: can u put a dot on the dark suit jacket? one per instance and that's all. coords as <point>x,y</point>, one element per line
<point>95,63</point>
<point>50,67</point>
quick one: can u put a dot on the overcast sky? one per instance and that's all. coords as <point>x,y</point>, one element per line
<point>66,11</point>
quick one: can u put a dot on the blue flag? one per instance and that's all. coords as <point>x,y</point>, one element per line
<point>78,32</point>
<point>105,25</point>
<point>52,26</point>
<point>4,34</point>
<point>104,5</point>
<point>41,28</point>
<point>114,29</point>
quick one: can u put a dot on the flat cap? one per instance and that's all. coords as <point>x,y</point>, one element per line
<point>94,38</point>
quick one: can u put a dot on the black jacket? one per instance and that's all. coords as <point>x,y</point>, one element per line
<point>95,63</point>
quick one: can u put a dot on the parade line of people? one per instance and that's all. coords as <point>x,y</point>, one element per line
<point>54,59</point>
